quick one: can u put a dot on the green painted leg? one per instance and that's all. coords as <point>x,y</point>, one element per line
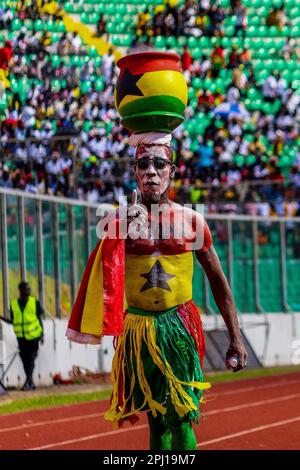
<point>160,434</point>
<point>183,436</point>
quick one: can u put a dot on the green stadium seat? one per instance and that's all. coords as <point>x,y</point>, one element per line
<point>197,83</point>
<point>159,42</point>
<point>191,93</point>
<point>39,25</point>
<point>197,53</point>
<point>192,42</point>
<point>171,41</point>
<point>92,51</point>
<point>56,60</point>
<point>99,84</point>
<point>16,24</point>
<point>181,41</point>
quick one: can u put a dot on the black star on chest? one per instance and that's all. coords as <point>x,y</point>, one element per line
<point>127,86</point>
<point>157,277</point>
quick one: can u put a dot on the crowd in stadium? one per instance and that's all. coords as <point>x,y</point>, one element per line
<point>60,133</point>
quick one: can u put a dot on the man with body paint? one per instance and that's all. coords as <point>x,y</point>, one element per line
<point>157,366</point>
<point>158,360</point>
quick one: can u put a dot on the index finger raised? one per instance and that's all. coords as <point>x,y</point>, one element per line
<point>134,197</point>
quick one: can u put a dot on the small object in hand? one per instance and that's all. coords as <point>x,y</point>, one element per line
<point>233,361</point>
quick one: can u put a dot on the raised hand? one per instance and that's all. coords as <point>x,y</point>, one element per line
<point>135,209</point>
<point>137,218</point>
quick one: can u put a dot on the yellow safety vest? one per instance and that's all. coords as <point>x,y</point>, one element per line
<point>26,324</point>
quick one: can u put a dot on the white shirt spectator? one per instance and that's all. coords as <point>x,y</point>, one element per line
<point>273,88</point>
<point>205,4</point>
<point>31,188</point>
<point>108,61</point>
<point>235,129</point>
<point>269,87</point>
<point>233,95</point>
<point>118,193</point>
<point>76,43</point>
<point>206,65</point>
<point>93,196</point>
<point>54,167</point>
<point>225,156</point>
<point>66,163</point>
<point>28,116</point>
<point>243,150</point>
<point>260,172</point>
<point>263,209</point>
<point>22,154</point>
<point>105,168</point>
<point>97,146</point>
<point>234,176</point>
<point>38,152</point>
<point>231,145</point>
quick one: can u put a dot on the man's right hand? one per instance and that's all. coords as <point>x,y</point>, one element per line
<point>137,218</point>
<point>135,210</point>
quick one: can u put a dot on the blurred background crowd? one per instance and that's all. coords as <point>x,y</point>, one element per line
<point>238,150</point>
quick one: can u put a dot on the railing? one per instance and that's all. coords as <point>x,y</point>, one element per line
<point>47,241</point>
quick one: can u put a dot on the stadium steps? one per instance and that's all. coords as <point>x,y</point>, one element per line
<point>86,35</point>
<point>217,342</point>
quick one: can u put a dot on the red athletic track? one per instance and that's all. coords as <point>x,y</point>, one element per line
<point>261,413</point>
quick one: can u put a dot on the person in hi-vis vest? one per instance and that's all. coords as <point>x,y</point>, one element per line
<point>26,317</point>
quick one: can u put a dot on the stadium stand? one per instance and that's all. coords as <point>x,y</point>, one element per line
<point>238,150</point>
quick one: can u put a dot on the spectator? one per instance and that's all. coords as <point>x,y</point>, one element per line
<point>101,26</point>
<point>171,20</point>
<point>277,17</point>
<point>263,207</point>
<point>217,60</point>
<point>143,19</point>
<point>241,19</point>
<point>6,17</point>
<point>5,55</point>
<point>26,316</point>
<point>108,62</point>
<point>186,59</point>
<point>55,97</point>
<point>273,87</point>
<point>234,58</point>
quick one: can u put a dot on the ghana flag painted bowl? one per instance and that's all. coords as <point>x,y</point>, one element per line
<point>151,92</point>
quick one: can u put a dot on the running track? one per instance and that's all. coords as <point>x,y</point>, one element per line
<point>259,413</point>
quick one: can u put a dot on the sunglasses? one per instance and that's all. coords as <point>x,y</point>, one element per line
<point>158,163</point>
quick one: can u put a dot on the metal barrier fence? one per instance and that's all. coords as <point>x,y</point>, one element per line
<point>47,240</point>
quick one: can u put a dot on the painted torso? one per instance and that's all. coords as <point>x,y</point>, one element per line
<point>159,272</point>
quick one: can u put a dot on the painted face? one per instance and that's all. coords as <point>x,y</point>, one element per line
<point>153,169</point>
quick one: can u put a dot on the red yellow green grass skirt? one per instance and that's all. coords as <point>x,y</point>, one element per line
<point>158,357</point>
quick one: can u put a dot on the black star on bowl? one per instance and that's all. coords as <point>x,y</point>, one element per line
<point>157,277</point>
<point>127,86</point>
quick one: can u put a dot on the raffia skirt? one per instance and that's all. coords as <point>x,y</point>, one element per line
<point>158,357</point>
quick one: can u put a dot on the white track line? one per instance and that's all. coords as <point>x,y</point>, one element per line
<point>253,404</point>
<point>223,393</point>
<point>98,415</point>
<point>281,383</point>
<point>53,421</point>
<point>111,433</point>
<point>88,438</point>
<point>249,431</point>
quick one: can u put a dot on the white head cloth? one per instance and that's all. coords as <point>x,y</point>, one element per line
<point>150,138</point>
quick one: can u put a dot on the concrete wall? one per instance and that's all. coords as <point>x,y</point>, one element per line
<point>280,347</point>
<point>271,335</point>
<point>56,355</point>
